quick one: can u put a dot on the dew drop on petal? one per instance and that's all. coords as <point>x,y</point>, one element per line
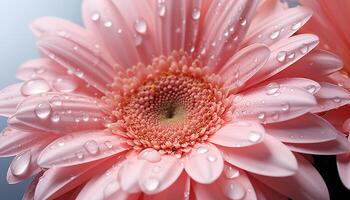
<point>42,110</point>
<point>150,155</point>
<point>35,86</point>
<point>108,24</point>
<point>91,146</point>
<point>272,88</point>
<point>231,172</point>
<point>55,118</point>
<point>140,26</point>
<point>311,89</point>
<point>137,39</point>
<point>234,191</point>
<point>254,137</point>
<point>65,84</point>
<point>291,55</point>
<point>151,184</point>
<point>285,107</point>
<point>296,26</point>
<point>336,99</point>
<point>95,17</point>
<point>20,164</point>
<point>243,22</point>
<point>56,101</point>
<point>261,116</point>
<point>196,14</point>
<point>274,35</point>
<point>304,49</point>
<point>161,9</point>
<point>80,155</point>
<point>109,144</point>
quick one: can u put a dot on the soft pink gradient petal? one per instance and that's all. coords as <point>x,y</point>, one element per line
<point>308,128</point>
<point>308,85</point>
<point>10,97</point>
<point>239,134</point>
<point>269,158</point>
<point>338,117</point>
<point>264,192</point>
<point>29,193</point>
<point>338,78</point>
<point>59,113</point>
<point>306,184</point>
<point>243,65</point>
<point>81,148</point>
<point>343,164</point>
<point>338,146</point>
<point>273,103</point>
<point>227,187</point>
<point>290,21</point>
<point>204,164</point>
<point>283,54</point>
<point>330,97</point>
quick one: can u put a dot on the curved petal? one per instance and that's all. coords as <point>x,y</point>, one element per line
<point>283,54</point>
<point>338,146</point>
<point>29,193</point>
<point>331,96</point>
<point>59,180</point>
<point>228,186</point>
<point>273,103</point>
<point>264,192</point>
<point>239,134</point>
<point>343,164</point>
<point>10,98</point>
<point>302,83</point>
<point>80,148</point>
<point>306,184</point>
<point>59,113</point>
<point>308,128</point>
<point>243,65</point>
<point>278,26</point>
<point>204,164</point>
<point>337,117</point>
<point>270,158</point>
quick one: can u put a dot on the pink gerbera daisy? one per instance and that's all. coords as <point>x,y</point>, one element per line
<point>171,99</point>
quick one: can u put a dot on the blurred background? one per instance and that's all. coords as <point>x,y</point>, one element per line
<point>17,44</point>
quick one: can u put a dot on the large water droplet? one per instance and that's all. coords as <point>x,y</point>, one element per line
<point>150,155</point>
<point>254,137</point>
<point>281,56</point>
<point>140,26</point>
<point>196,14</point>
<point>272,88</point>
<point>274,35</point>
<point>151,184</point>
<point>234,190</point>
<point>42,110</point>
<point>35,86</point>
<point>65,84</point>
<point>231,172</point>
<point>20,164</point>
<point>91,146</point>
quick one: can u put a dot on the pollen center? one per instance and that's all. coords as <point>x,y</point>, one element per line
<point>172,105</point>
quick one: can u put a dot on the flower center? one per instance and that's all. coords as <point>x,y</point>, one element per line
<point>170,105</point>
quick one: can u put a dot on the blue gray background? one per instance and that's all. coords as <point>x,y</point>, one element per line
<point>17,44</point>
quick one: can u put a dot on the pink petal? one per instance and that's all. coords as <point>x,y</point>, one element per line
<point>302,83</point>
<point>105,21</point>
<point>225,26</point>
<point>306,184</point>
<point>273,103</point>
<point>59,113</point>
<point>29,193</point>
<point>233,184</point>
<point>285,53</point>
<point>13,142</point>
<point>179,190</point>
<point>270,158</point>
<point>263,192</point>
<point>337,117</point>
<point>331,96</point>
<point>81,148</point>
<point>339,78</point>
<point>59,180</point>
<point>10,97</point>
<point>269,31</point>
<point>243,65</point>
<point>204,164</point>
<point>308,128</point>
<point>317,63</point>
<point>338,146</point>
<point>105,186</point>
<point>239,134</point>
<point>150,176</point>
<point>55,75</point>
<point>343,164</point>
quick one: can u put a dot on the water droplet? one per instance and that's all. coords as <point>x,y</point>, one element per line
<point>234,190</point>
<point>296,26</point>
<point>86,118</point>
<point>254,137</point>
<point>91,146</point>
<point>109,144</point>
<point>196,14</point>
<point>202,150</point>
<point>119,31</point>
<point>274,35</point>
<point>56,101</point>
<point>212,158</point>
<point>35,86</point>
<point>285,107</point>
<point>20,164</point>
<point>60,143</point>
<point>95,17</point>
<point>150,155</point>
<point>108,24</point>
<point>65,84</point>
<point>79,73</point>
<point>304,49</point>
<point>55,118</point>
<point>281,56</point>
<point>336,99</point>
<point>261,116</point>
<point>151,184</point>
<point>110,189</point>
<point>272,88</point>
<point>137,39</point>
<point>80,155</point>
<point>311,89</point>
<point>231,172</point>
<point>291,55</point>
<point>243,22</point>
<point>42,110</point>
<point>140,26</point>
<point>161,9</point>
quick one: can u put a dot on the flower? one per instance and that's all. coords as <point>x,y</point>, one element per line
<point>329,24</point>
<point>181,99</point>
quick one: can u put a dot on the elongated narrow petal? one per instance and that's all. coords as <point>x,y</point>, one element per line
<point>10,98</point>
<point>343,164</point>
<point>269,158</point>
<point>204,164</point>
<point>308,128</point>
<point>80,148</point>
